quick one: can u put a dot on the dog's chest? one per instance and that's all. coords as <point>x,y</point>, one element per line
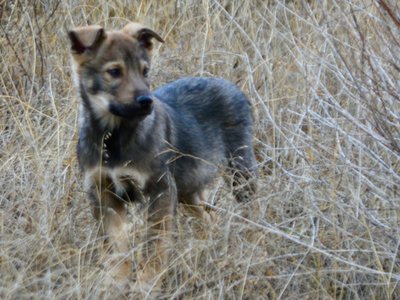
<point>115,171</point>
<point>126,182</point>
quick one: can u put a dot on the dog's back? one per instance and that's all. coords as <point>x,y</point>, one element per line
<point>212,123</point>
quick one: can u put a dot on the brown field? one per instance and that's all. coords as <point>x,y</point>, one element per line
<point>324,79</point>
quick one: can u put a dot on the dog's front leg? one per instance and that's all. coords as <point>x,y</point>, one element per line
<point>161,225</point>
<point>111,213</point>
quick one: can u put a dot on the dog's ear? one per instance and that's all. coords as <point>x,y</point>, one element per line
<point>86,38</point>
<point>142,34</point>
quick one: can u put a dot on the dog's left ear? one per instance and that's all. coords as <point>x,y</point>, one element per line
<point>142,34</point>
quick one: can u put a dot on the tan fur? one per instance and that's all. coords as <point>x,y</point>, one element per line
<point>98,47</point>
<point>86,36</point>
<point>133,29</point>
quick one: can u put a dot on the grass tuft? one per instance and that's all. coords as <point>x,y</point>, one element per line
<point>323,77</point>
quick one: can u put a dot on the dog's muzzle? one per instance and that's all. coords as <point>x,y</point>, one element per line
<point>145,102</point>
<point>142,106</point>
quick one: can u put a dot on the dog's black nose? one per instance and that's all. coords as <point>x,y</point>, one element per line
<point>145,100</point>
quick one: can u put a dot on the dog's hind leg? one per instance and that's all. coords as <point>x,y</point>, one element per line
<point>194,204</point>
<point>242,164</point>
<point>244,180</point>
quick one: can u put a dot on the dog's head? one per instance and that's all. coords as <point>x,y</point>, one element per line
<point>111,69</point>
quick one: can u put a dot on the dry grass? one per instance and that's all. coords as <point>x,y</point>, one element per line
<point>324,80</point>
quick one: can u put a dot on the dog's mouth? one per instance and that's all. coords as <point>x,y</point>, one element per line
<point>132,110</point>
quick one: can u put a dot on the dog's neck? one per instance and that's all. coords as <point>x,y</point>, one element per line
<point>111,144</point>
<point>107,143</point>
<point>94,134</point>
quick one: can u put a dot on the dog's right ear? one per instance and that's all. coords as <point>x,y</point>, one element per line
<point>86,38</point>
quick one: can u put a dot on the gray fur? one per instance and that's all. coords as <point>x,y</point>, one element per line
<point>197,125</point>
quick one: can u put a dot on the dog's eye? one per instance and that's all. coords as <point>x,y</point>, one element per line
<point>146,71</point>
<point>115,72</point>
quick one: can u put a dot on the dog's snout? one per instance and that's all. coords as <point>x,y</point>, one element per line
<point>145,100</point>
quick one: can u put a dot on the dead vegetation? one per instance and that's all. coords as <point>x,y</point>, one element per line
<point>324,79</point>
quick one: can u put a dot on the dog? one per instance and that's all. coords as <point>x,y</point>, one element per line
<point>160,147</point>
